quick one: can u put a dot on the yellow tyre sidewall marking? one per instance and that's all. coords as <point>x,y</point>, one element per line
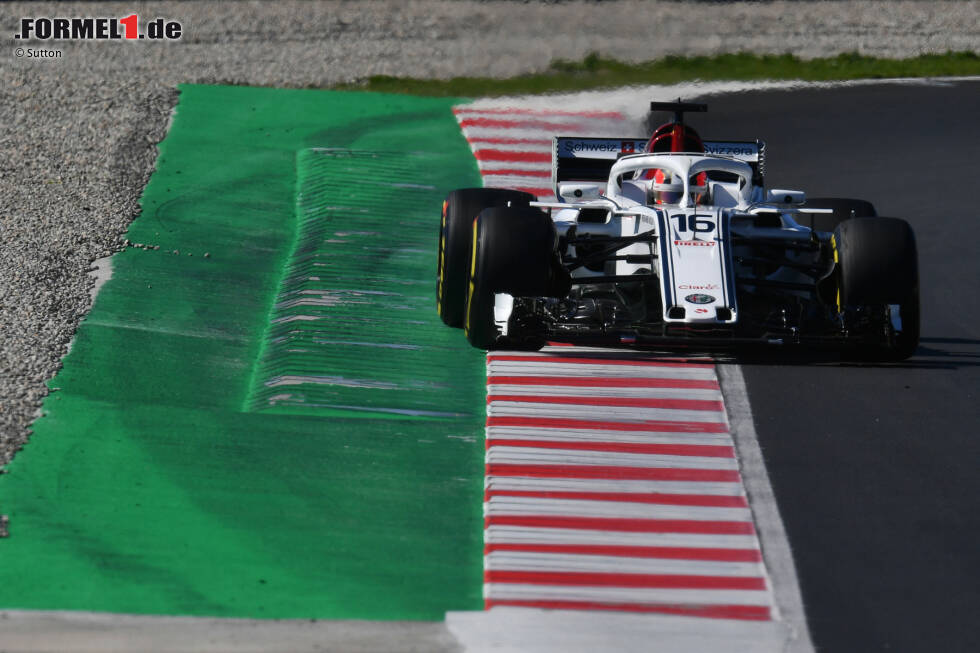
<point>442,257</point>
<point>833,247</point>
<point>469,292</point>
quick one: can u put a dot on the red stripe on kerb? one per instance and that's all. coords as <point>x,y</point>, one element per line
<point>544,125</point>
<point>664,552</point>
<point>514,172</point>
<point>596,579</point>
<point>622,402</point>
<point>535,112</point>
<point>620,447</point>
<point>510,141</point>
<point>700,500</point>
<point>512,155</point>
<point>644,426</point>
<point>560,358</point>
<point>614,472</point>
<point>744,612</point>
<point>604,382</point>
<point>624,525</point>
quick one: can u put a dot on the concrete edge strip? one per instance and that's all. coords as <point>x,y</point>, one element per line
<point>89,632</point>
<point>769,524</point>
<point>101,271</point>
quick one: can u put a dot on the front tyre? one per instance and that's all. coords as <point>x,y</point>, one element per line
<point>513,252</point>
<point>455,239</point>
<point>879,275</point>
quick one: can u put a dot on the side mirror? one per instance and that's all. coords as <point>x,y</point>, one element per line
<point>578,192</point>
<point>780,196</point>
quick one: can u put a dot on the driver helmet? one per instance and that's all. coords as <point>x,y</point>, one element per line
<point>665,188</point>
<point>676,137</point>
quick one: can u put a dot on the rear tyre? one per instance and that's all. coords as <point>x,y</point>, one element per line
<point>878,268</point>
<point>455,241</point>
<point>844,209</point>
<point>513,252</point>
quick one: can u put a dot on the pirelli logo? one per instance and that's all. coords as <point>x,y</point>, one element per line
<point>694,243</point>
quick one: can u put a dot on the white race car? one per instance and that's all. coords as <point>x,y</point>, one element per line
<point>678,244</point>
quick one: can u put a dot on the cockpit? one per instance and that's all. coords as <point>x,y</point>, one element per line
<point>684,180</point>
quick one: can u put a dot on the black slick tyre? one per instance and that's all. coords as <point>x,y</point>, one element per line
<point>843,209</point>
<point>877,269</point>
<point>455,240</point>
<point>513,251</point>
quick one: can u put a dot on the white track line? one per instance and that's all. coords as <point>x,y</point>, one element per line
<point>769,524</point>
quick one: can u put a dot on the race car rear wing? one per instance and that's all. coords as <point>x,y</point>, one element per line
<point>590,159</point>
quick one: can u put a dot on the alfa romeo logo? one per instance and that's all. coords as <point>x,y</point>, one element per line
<point>698,298</point>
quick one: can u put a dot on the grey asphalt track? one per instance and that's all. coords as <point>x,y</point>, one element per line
<point>874,467</point>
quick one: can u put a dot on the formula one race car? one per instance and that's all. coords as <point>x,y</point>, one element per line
<point>679,244</point>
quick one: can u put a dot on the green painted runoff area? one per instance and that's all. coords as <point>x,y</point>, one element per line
<point>264,417</point>
<point>350,330</point>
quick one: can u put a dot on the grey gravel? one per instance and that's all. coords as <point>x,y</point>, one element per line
<point>78,133</point>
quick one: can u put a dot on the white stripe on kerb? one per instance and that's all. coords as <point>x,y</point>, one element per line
<point>711,488</point>
<point>541,535</point>
<point>597,369</point>
<point>601,391</point>
<point>499,132</point>
<point>502,591</point>
<point>532,456</point>
<point>602,435</point>
<point>616,509</point>
<point>514,181</point>
<point>601,413</point>
<point>488,143</point>
<point>529,561</point>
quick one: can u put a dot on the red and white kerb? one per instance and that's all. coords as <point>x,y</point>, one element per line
<point>513,146</point>
<point>612,484</point>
